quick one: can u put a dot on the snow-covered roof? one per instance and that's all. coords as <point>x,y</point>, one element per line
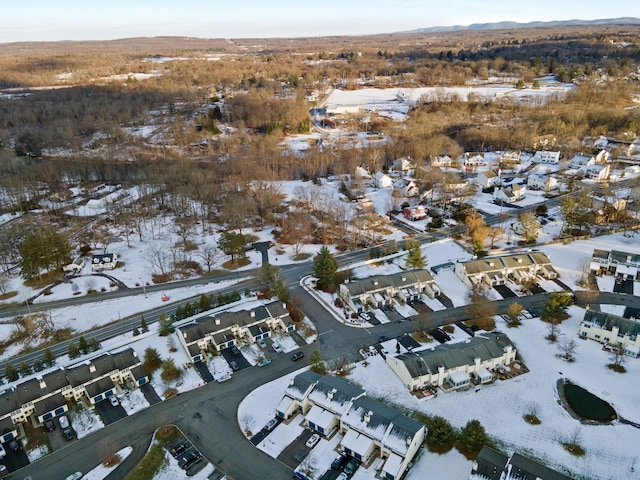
<point>392,465</point>
<point>320,417</point>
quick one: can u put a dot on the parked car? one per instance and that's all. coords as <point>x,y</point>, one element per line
<point>15,445</point>
<point>63,421</point>
<point>176,450</point>
<point>264,362</point>
<point>271,424</point>
<point>234,366</point>
<point>277,348</point>
<point>235,350</point>
<point>223,378</point>
<point>74,476</point>
<point>3,452</point>
<point>69,434</point>
<point>313,440</point>
<point>297,356</point>
<point>384,338</point>
<point>114,400</point>
<point>342,476</point>
<point>300,455</point>
<point>351,467</point>
<point>189,458</point>
<point>365,316</point>
<point>261,343</point>
<point>339,462</point>
<point>49,426</point>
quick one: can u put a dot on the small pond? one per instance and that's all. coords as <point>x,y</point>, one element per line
<point>586,405</point>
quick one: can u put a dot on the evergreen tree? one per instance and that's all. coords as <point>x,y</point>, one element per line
<point>170,372</point>
<point>325,268</point>
<point>25,369</point>
<point>83,346</point>
<point>45,249</point>
<point>316,363</point>
<point>94,345</point>
<point>233,244</point>
<point>143,325</point>
<point>165,325</point>
<point>38,365</point>
<point>555,309</point>
<point>472,438</point>
<point>73,350</point>
<point>49,358</point>
<point>136,332</point>
<point>415,258</point>
<point>10,372</point>
<point>441,435</point>
<point>204,303</point>
<point>151,361</point>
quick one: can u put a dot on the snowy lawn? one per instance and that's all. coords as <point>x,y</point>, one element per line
<point>101,471</point>
<point>171,471</point>
<point>133,401</point>
<point>85,421</point>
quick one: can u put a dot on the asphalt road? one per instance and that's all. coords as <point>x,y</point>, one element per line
<point>215,431</point>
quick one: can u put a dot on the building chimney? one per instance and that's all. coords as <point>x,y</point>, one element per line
<point>367,416</point>
<point>217,321</point>
<point>252,313</point>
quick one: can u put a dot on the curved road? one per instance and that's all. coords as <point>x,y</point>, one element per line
<point>215,431</point>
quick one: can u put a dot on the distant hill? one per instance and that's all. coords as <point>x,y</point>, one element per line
<point>511,25</point>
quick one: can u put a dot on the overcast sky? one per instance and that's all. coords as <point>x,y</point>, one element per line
<point>32,20</point>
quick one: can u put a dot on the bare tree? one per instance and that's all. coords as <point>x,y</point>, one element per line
<point>158,258</point>
<point>247,422</point>
<point>567,349</point>
<point>4,283</point>
<point>209,255</point>
<point>553,330</point>
<point>617,356</point>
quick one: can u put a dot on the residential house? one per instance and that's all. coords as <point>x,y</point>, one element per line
<point>623,265</point>
<point>366,204</point>
<point>406,187</point>
<point>454,363</point>
<point>227,329</point>
<point>492,271</point>
<point>511,157</point>
<point>441,161</point>
<point>419,212</point>
<point>580,161</point>
<point>493,465</point>
<point>543,156</point>
<point>403,165</point>
<point>470,160</point>
<point>596,172</point>
<point>381,180</point>
<point>378,291</point>
<point>361,173</point>
<point>10,414</point>
<point>104,261</point>
<point>488,178</point>
<point>545,183</point>
<point>613,330</point>
<point>510,194</point>
<point>369,428</point>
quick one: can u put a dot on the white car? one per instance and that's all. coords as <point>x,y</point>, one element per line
<point>277,348</point>
<point>74,476</point>
<point>3,452</point>
<point>315,438</point>
<point>63,421</point>
<point>114,400</point>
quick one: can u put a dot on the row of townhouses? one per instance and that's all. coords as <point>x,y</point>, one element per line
<point>370,429</point>
<point>213,333</point>
<point>619,264</point>
<point>492,271</point>
<point>379,290</point>
<point>493,465</point>
<point>41,399</point>
<point>613,330</point>
<point>454,363</point>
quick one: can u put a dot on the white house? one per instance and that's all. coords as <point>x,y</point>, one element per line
<point>454,363</point>
<point>624,265</point>
<point>361,173</point>
<point>403,165</point>
<point>612,330</point>
<point>598,172</point>
<point>441,161</point>
<point>104,261</point>
<point>541,182</point>
<point>578,161</point>
<point>488,178</point>
<point>473,160</point>
<point>544,156</point>
<point>511,193</point>
<point>381,180</point>
<point>492,271</point>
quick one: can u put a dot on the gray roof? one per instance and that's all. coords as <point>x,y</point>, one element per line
<point>625,257</point>
<point>600,254</point>
<point>523,468</point>
<point>29,391</point>
<point>54,381</point>
<point>6,426</point>
<point>49,404</point>
<point>9,402</point>
<point>301,383</point>
<point>103,364</point>
<point>138,372</point>
<point>125,359</point>
<point>403,426</point>
<point>382,282</point>
<point>607,321</point>
<point>451,355</point>
<point>517,260</point>
<point>490,463</point>
<point>342,390</point>
<point>79,375</point>
<point>99,386</point>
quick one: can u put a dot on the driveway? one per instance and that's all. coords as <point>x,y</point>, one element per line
<point>150,394</point>
<point>239,358</point>
<point>56,439</point>
<point>204,372</point>
<point>15,460</point>
<point>290,456</point>
<point>626,286</point>
<point>505,291</point>
<point>110,413</point>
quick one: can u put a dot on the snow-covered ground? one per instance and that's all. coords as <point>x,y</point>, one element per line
<point>102,471</point>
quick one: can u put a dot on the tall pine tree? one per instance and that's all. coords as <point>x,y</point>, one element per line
<point>325,268</point>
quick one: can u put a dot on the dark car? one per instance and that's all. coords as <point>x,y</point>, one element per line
<point>235,350</point>
<point>301,455</point>
<point>297,356</point>
<point>384,338</point>
<point>15,445</point>
<point>339,462</point>
<point>69,434</point>
<point>49,426</point>
<point>190,457</point>
<point>351,467</point>
<point>234,366</point>
<point>179,448</point>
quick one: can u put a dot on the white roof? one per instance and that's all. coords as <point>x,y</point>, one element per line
<point>284,404</point>
<point>357,443</point>
<point>626,270</point>
<point>392,465</point>
<point>484,374</point>
<point>320,417</point>
<point>459,377</point>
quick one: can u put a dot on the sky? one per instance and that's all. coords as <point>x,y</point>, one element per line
<point>49,20</point>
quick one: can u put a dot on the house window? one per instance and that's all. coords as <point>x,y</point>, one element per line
<point>59,411</point>
<point>8,437</point>
<point>47,416</point>
<point>197,358</point>
<point>108,394</point>
<point>290,328</point>
<point>596,336</point>
<point>279,414</point>
<point>389,476</point>
<point>312,425</point>
<point>320,429</point>
<point>584,334</point>
<point>357,456</point>
<point>142,381</point>
<point>97,398</point>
